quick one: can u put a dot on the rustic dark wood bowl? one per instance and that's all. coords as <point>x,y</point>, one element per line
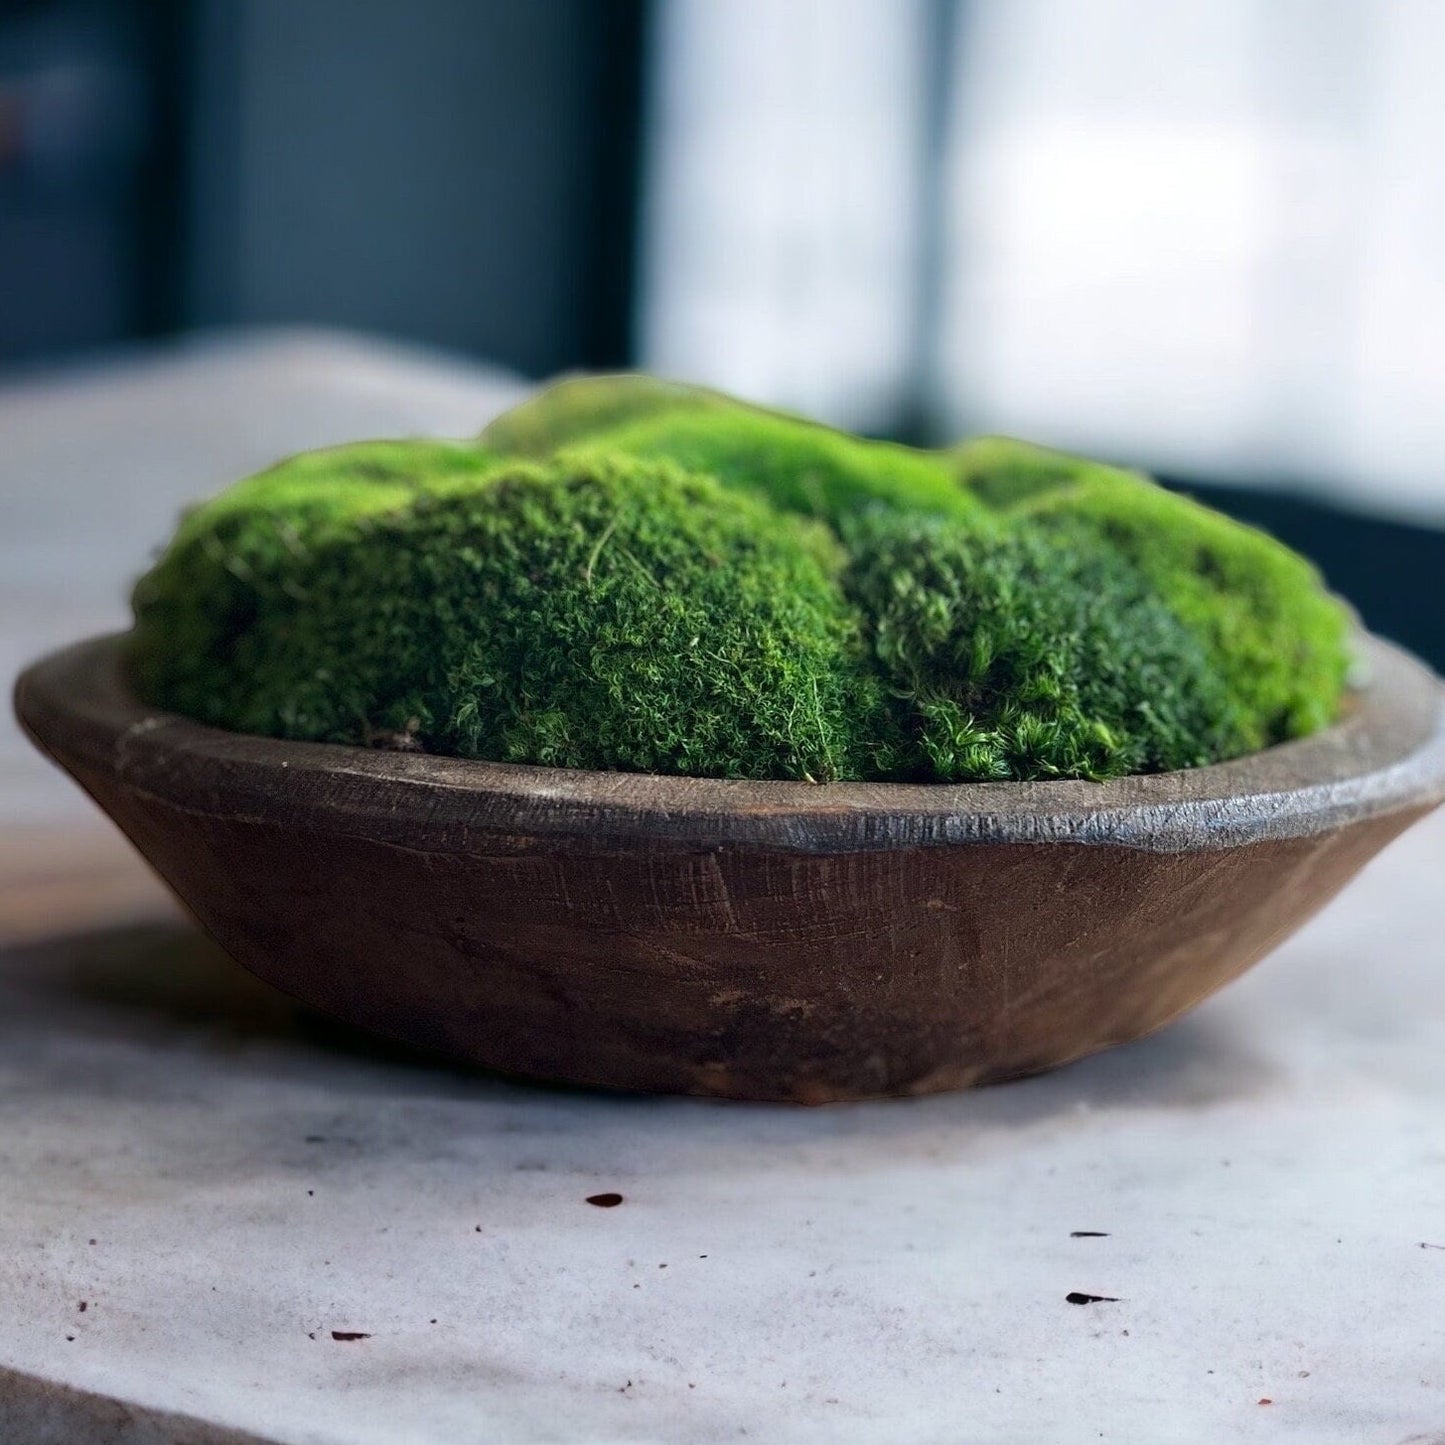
<point>755,940</point>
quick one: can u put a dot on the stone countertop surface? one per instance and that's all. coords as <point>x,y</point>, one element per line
<point>224,1220</point>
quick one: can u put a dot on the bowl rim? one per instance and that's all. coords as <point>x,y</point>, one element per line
<point>1385,755</point>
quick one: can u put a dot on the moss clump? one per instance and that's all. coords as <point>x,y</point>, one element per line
<point>592,611</point>
<point>1020,656</point>
<point>629,574</point>
<point>241,571</point>
<point>1275,637</point>
<point>799,466</point>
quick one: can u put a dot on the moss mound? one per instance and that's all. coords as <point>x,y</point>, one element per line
<point>628,574</point>
<point>592,611</point>
<point>798,465</point>
<point>1277,640</point>
<point>237,581</point>
<point>1020,656</point>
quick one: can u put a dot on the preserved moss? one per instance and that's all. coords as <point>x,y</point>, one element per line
<point>241,571</point>
<point>799,466</point>
<point>1277,640</point>
<point>593,611</point>
<point>629,574</point>
<point>1018,655</point>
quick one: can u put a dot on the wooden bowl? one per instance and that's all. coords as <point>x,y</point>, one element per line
<point>754,940</point>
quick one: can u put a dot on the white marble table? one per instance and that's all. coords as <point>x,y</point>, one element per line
<point>201,1190</point>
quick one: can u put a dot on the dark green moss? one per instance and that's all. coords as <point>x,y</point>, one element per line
<point>1019,656</point>
<point>1275,637</point>
<point>629,574</point>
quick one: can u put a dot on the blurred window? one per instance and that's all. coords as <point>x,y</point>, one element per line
<point>1208,234</point>
<point>782,201</point>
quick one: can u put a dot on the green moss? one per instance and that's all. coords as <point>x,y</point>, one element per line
<point>1019,656</point>
<point>630,574</point>
<point>249,555</point>
<point>1002,472</point>
<point>591,612</point>
<point>799,466</point>
<point>579,408</point>
<point>1277,639</point>
<point>638,617</point>
<point>340,484</point>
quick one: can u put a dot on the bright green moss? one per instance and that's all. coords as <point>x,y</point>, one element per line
<point>579,408</point>
<point>249,556</point>
<point>339,484</point>
<point>799,466</point>
<point>1002,472</point>
<point>591,612</point>
<point>628,574</point>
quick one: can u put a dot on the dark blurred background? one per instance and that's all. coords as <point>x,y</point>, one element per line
<point>1207,238</point>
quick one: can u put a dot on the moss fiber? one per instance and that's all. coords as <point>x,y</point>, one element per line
<point>629,574</point>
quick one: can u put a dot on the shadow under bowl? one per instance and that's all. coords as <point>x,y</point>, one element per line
<point>754,940</point>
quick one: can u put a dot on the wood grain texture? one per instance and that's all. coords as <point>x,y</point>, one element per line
<point>753,940</point>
